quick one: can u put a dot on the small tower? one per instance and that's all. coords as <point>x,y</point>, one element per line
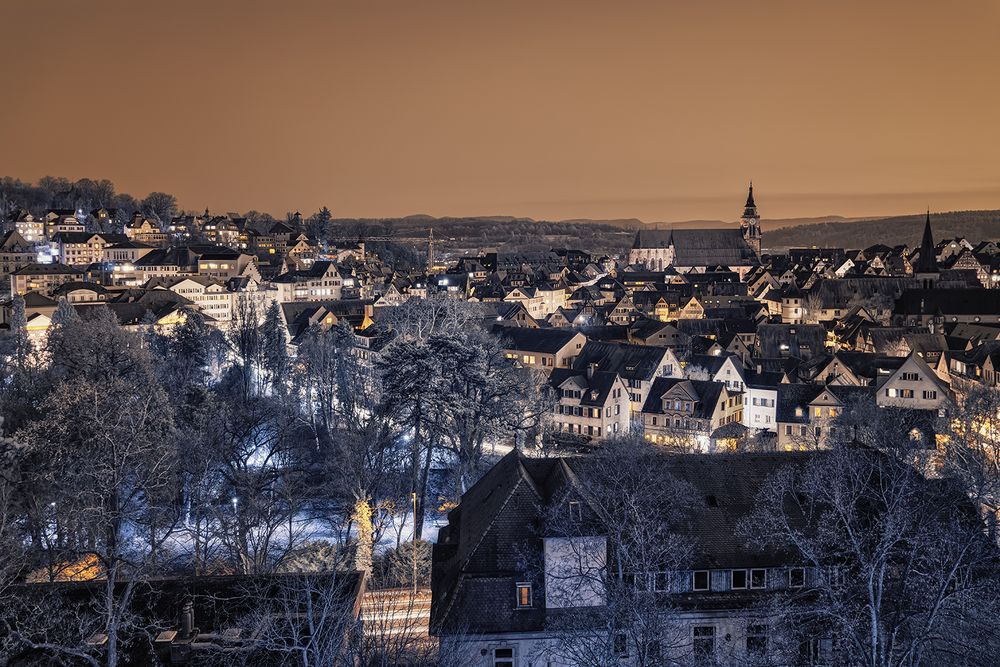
<point>926,270</point>
<point>750,223</point>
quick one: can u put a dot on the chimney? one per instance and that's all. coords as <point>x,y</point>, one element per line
<point>591,367</point>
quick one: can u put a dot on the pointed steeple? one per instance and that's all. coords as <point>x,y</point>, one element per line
<point>927,262</point>
<point>750,223</point>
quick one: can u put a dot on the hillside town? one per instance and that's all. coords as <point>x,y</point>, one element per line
<point>694,451</point>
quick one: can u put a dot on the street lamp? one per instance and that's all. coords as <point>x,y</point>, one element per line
<point>413,542</point>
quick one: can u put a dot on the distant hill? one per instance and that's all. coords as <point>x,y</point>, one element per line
<point>973,225</point>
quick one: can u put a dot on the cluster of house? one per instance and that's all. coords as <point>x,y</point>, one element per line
<point>150,274</point>
<point>695,338</point>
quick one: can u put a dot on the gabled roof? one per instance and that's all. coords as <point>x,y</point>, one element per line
<point>705,394</point>
<point>85,237</point>
<point>46,269</point>
<point>541,341</point>
<point>632,362</point>
<point>595,387</point>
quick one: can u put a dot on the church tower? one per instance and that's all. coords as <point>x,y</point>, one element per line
<point>926,270</point>
<point>750,223</point>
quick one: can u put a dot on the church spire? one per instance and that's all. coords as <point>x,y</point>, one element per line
<point>927,262</point>
<point>750,223</point>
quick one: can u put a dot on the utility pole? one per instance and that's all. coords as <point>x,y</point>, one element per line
<point>430,249</point>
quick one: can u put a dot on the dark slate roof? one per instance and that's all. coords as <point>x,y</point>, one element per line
<point>83,237</point>
<point>762,379</point>
<point>632,362</point>
<point>843,292</point>
<point>699,247</point>
<point>791,396</point>
<point>706,391</point>
<point>316,270</point>
<point>803,340</point>
<point>864,365</point>
<point>652,238</point>
<point>45,269</point>
<point>542,341</point>
<point>475,562</point>
<point>710,362</point>
<point>643,328</point>
<point>596,386</point>
<point>968,301</point>
<point>709,247</point>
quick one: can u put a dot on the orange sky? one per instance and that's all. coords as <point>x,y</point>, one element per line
<point>659,110</point>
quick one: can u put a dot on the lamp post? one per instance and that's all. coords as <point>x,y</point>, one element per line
<point>413,542</point>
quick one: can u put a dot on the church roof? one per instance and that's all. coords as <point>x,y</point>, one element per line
<point>710,247</point>
<point>699,247</point>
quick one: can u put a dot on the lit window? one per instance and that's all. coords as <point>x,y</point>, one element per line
<point>523,595</point>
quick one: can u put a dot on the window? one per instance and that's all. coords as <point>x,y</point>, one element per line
<point>758,578</point>
<point>788,429</point>
<point>621,645</point>
<point>653,651</point>
<point>756,640</point>
<point>699,580</point>
<point>930,395</point>
<point>575,511</point>
<point>909,377</point>
<point>661,582</point>
<point>810,652</point>
<point>503,657</point>
<point>796,577</point>
<point>817,412</point>
<point>704,641</point>
<point>738,579</point>
<point>523,595</point>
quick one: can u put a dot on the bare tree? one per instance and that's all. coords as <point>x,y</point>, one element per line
<point>896,560</point>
